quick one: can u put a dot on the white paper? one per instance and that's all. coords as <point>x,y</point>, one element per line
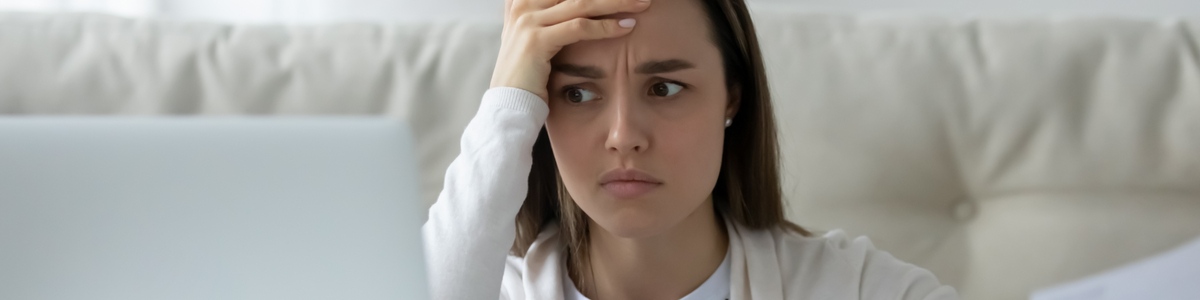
<point>1172,275</point>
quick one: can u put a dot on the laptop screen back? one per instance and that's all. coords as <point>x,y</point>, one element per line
<point>202,208</point>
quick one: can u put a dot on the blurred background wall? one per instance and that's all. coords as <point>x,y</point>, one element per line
<point>253,11</point>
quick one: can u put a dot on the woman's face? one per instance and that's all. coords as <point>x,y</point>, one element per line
<point>654,103</point>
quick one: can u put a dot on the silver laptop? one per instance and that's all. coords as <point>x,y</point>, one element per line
<point>204,208</point>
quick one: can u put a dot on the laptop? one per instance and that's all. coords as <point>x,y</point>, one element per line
<point>209,208</point>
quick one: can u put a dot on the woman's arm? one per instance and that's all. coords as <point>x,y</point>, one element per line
<point>473,224</point>
<point>471,227</point>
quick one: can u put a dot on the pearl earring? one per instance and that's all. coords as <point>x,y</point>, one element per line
<point>728,122</point>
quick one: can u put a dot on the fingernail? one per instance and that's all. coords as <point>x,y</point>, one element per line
<point>627,23</point>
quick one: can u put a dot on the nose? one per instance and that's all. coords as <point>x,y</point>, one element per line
<point>627,132</point>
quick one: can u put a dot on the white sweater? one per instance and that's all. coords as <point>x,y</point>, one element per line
<point>471,229</point>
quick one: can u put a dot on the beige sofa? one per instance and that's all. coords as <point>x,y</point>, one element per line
<point>1004,154</point>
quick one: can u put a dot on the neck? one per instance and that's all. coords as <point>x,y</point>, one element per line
<point>666,266</point>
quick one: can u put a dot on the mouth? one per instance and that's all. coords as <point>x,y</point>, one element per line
<point>628,183</point>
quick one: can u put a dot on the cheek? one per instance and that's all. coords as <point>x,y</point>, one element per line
<point>691,152</point>
<point>572,149</point>
<point>692,143</point>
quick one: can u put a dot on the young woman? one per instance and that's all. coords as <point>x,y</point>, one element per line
<point>626,150</point>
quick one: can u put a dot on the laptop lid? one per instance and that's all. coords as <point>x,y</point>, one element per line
<point>209,208</point>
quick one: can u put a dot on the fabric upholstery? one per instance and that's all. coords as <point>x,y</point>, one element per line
<point>1003,154</point>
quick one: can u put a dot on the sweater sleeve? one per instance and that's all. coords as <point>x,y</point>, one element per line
<point>471,226</point>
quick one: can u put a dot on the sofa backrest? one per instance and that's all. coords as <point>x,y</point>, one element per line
<point>1004,154</point>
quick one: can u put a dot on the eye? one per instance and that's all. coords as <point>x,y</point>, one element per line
<point>665,89</point>
<point>578,95</point>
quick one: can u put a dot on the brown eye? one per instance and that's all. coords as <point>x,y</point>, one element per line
<point>578,95</point>
<point>665,89</point>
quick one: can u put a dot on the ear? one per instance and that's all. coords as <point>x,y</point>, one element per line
<point>735,100</point>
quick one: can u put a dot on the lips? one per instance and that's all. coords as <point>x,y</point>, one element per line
<point>628,183</point>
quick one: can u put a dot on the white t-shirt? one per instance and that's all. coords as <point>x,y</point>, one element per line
<point>716,287</point>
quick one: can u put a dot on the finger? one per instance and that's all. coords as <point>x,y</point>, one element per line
<point>572,9</point>
<point>582,29</point>
<point>508,11</point>
<point>519,7</point>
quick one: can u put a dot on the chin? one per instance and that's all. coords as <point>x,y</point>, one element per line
<point>635,223</point>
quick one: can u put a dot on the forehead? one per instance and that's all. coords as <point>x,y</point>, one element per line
<point>668,29</point>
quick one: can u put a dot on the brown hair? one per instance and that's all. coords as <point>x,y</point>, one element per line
<point>747,190</point>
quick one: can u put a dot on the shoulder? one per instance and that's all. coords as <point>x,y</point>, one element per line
<point>541,266</point>
<point>833,247</point>
<point>511,286</point>
<point>544,252</point>
<point>839,261</point>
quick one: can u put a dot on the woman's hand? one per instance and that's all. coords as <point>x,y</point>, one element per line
<point>535,30</point>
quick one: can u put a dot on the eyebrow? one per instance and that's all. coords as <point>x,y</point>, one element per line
<point>650,67</point>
